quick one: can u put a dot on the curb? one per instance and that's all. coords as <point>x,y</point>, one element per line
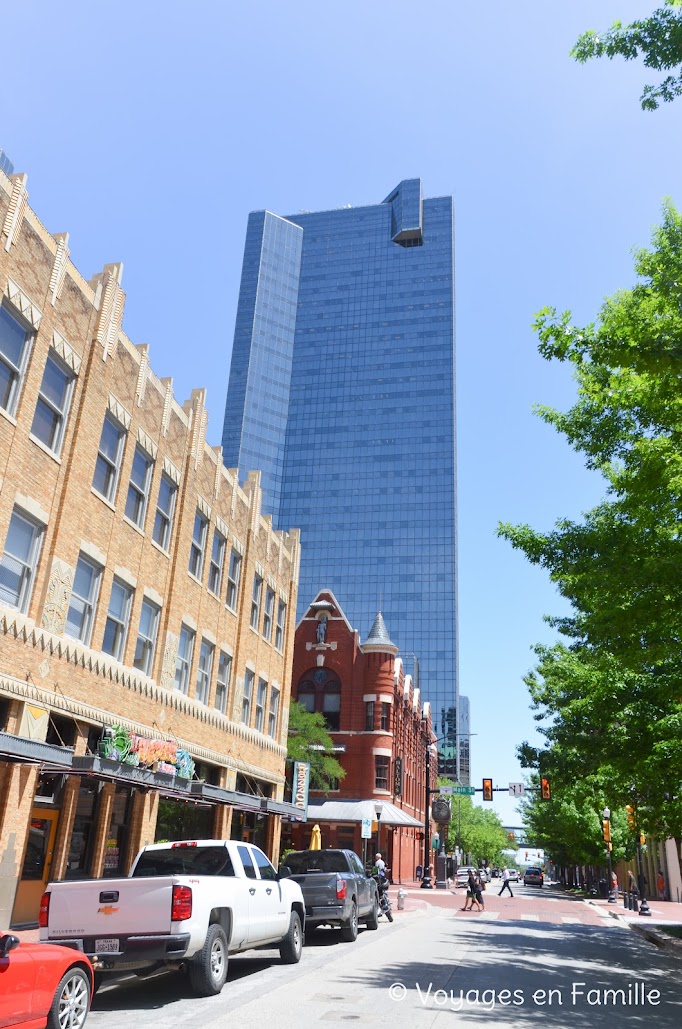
<point>650,933</point>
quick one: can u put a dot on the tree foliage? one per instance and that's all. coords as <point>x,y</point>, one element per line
<point>657,38</point>
<point>610,698</point>
<point>478,832</point>
<point>309,740</point>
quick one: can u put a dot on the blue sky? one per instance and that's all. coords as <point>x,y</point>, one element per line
<point>150,130</point>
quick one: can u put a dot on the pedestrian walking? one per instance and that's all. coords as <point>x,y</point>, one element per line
<point>471,897</point>
<point>660,884</point>
<point>478,890</point>
<point>505,882</point>
<point>632,884</point>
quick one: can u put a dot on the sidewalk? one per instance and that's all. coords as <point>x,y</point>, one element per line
<point>666,911</point>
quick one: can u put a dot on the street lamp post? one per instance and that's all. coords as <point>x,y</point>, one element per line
<point>613,899</point>
<point>644,908</point>
<point>426,883</point>
<point>378,808</point>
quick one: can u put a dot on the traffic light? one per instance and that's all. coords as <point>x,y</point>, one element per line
<point>642,839</point>
<point>487,789</point>
<point>632,817</point>
<point>511,835</point>
<point>606,830</point>
<point>545,789</point>
<point>420,837</point>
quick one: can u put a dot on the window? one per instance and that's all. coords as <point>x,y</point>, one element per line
<point>269,611</point>
<point>233,576</point>
<point>369,715</point>
<point>109,457</point>
<point>54,399</point>
<point>196,554</point>
<point>19,561</point>
<point>223,684</point>
<point>331,706</point>
<point>84,595</point>
<point>15,341</point>
<point>215,569</point>
<point>204,670</point>
<point>138,490</point>
<point>184,660</point>
<point>118,618</point>
<point>165,508</point>
<point>279,631</point>
<point>386,717</point>
<point>261,697</point>
<point>381,772</point>
<point>146,637</point>
<point>256,600</point>
<point>247,862</point>
<point>273,712</point>
<point>264,867</point>
<point>249,676</point>
<point>306,695</point>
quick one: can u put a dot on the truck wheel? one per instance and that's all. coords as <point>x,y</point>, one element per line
<point>292,944</point>
<point>208,970</point>
<point>349,931</point>
<point>71,1001</point>
<point>373,920</point>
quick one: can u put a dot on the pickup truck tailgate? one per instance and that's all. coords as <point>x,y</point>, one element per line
<point>109,908</point>
<point>319,889</point>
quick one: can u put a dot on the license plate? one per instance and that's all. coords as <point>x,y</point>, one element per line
<point>108,946</point>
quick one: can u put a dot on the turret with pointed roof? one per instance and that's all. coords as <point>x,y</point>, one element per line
<point>378,641</point>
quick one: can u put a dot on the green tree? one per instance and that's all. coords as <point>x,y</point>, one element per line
<point>657,38</point>
<point>479,832</point>
<point>612,694</point>
<point>309,740</point>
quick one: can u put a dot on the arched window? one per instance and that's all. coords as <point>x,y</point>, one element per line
<point>320,690</point>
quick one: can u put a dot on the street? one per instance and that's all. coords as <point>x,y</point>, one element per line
<point>542,957</point>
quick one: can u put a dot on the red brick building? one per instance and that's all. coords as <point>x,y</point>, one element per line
<point>381,729</point>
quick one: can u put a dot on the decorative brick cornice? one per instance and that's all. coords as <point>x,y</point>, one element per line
<point>28,309</point>
<point>59,267</point>
<point>66,352</point>
<point>16,209</point>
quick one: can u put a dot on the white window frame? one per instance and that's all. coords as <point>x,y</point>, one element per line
<point>148,641</point>
<point>183,664</point>
<point>138,493</point>
<point>222,690</point>
<point>247,696</point>
<point>273,711</point>
<point>383,762</point>
<point>113,467</point>
<point>197,550</point>
<point>234,573</point>
<point>89,603</point>
<point>268,613</point>
<point>60,414</point>
<point>17,372</point>
<point>215,567</point>
<point>281,622</point>
<point>204,671</point>
<point>261,701</point>
<point>122,625</point>
<point>256,600</point>
<point>164,519</point>
<point>26,568</point>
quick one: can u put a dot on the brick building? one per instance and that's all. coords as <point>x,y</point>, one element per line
<point>146,604</point>
<point>381,730</point>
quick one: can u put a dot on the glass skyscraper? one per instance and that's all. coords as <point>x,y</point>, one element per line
<point>342,392</point>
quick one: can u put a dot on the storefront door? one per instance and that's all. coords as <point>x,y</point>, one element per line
<point>35,872</point>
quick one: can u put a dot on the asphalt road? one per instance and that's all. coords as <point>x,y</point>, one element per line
<point>434,967</point>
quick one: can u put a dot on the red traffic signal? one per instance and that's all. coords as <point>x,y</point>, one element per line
<point>545,789</point>
<point>487,789</point>
<point>420,836</point>
<point>606,830</point>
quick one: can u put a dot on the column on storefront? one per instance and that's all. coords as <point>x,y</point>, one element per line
<point>17,787</point>
<point>222,821</point>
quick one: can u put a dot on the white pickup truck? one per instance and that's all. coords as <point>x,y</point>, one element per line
<point>187,904</point>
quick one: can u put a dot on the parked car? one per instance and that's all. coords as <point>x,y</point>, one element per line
<point>43,985</point>
<point>187,904</point>
<point>533,877</point>
<point>336,889</point>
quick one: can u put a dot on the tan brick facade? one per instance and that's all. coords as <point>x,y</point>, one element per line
<point>107,507</point>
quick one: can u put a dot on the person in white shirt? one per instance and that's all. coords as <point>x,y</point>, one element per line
<point>380,864</point>
<point>505,883</point>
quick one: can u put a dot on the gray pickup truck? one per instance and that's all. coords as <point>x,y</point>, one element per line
<point>336,889</point>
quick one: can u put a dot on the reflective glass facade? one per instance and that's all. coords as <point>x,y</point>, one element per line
<point>342,391</point>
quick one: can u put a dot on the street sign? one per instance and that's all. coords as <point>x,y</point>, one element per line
<point>517,789</point>
<point>366,831</point>
<point>445,791</point>
<point>463,791</point>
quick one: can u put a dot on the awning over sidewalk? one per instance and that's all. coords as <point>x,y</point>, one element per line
<point>357,810</point>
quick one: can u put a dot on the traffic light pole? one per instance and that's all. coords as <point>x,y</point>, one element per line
<point>426,883</point>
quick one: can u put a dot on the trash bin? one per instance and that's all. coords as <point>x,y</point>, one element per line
<point>603,889</point>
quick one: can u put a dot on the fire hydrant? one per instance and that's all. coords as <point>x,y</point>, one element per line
<point>401,899</point>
